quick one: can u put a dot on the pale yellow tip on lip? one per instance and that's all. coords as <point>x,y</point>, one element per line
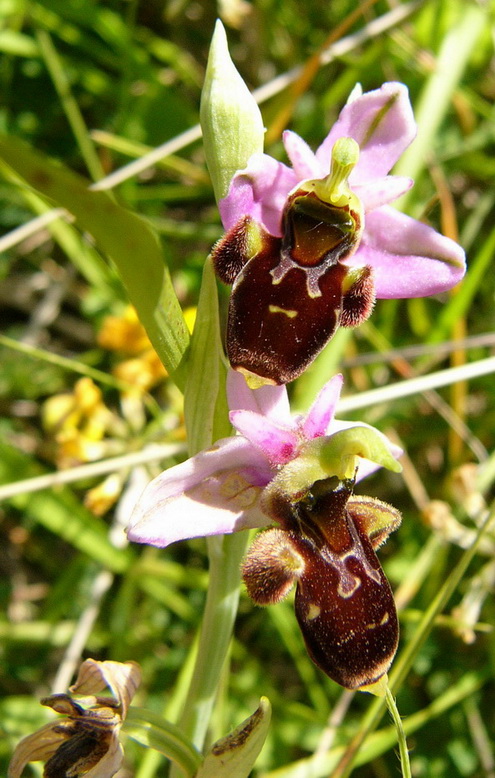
<point>255,381</point>
<point>378,688</point>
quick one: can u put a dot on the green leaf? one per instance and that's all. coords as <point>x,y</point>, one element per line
<point>236,754</point>
<point>436,99</point>
<point>121,235</point>
<point>150,729</point>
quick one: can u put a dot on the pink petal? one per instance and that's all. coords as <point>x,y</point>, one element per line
<point>270,401</point>
<point>410,259</point>
<point>381,191</point>
<point>382,122</point>
<point>222,504</point>
<point>202,495</point>
<point>278,444</point>
<point>304,162</point>
<point>321,413</point>
<point>259,191</point>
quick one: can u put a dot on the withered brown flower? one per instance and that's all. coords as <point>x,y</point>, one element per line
<point>86,741</point>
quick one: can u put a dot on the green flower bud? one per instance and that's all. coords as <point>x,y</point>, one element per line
<point>230,118</point>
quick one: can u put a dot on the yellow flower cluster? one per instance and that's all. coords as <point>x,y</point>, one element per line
<point>84,429</point>
<point>126,334</point>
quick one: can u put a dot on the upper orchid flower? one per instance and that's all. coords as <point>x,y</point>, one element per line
<point>309,247</point>
<point>219,490</point>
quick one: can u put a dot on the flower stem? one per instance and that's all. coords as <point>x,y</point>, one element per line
<point>225,555</point>
<point>401,737</point>
<point>206,416</point>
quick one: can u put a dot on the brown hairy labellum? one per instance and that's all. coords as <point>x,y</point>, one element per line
<point>290,294</point>
<point>343,601</point>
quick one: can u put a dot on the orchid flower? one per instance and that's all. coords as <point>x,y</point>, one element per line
<point>297,473</point>
<point>309,247</point>
<point>219,490</point>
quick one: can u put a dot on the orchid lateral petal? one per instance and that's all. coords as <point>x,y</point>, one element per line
<point>279,445</point>
<point>122,678</point>
<point>382,122</point>
<point>409,259</point>
<point>260,191</point>
<point>322,411</point>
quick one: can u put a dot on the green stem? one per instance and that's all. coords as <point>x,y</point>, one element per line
<point>401,737</point>
<point>206,414</point>
<point>225,555</point>
<point>436,98</point>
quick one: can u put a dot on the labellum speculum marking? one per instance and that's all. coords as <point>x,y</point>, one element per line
<point>343,601</point>
<point>291,293</point>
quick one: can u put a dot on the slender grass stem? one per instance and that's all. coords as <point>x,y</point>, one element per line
<point>225,555</point>
<point>70,106</point>
<point>401,736</point>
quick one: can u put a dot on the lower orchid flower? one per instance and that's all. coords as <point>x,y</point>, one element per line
<point>297,473</point>
<point>326,546</point>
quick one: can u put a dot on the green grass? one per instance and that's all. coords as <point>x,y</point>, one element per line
<point>95,86</point>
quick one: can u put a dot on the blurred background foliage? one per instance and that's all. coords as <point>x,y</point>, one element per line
<point>96,85</point>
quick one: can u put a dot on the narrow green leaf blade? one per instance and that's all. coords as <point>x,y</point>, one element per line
<point>205,400</point>
<point>121,235</point>
<point>150,729</point>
